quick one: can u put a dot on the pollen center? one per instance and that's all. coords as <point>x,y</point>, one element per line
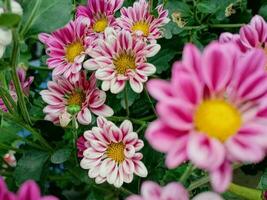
<point>217,119</point>
<point>76,98</point>
<point>141,26</point>
<point>74,49</point>
<point>100,25</point>
<point>115,151</point>
<point>124,62</point>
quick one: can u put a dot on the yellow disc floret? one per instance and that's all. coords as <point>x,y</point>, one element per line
<point>115,151</point>
<point>73,50</point>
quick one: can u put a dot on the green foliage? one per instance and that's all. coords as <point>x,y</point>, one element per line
<point>9,20</point>
<point>60,156</point>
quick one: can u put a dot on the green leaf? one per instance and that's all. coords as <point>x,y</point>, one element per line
<point>7,136</point>
<point>263,11</point>
<point>30,166</point>
<point>60,156</point>
<point>9,20</point>
<point>263,181</point>
<point>207,7</point>
<point>51,15</point>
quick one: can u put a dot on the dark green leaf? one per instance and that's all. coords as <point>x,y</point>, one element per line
<point>9,20</point>
<point>60,156</point>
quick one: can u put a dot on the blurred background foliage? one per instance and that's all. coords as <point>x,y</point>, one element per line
<point>195,21</point>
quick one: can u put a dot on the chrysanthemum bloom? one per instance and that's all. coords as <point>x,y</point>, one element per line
<point>10,159</point>
<point>121,57</point>
<point>113,153</point>
<point>216,109</point>
<point>63,94</point>
<point>28,191</point>
<point>172,191</point>
<point>66,48</point>
<point>101,15</point>
<point>25,85</point>
<point>82,145</point>
<point>252,35</point>
<point>138,20</point>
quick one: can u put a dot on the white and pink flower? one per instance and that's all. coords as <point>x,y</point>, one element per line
<point>139,21</point>
<point>66,48</point>
<point>63,94</point>
<point>121,57</point>
<point>25,85</point>
<point>100,13</point>
<point>113,155</point>
<point>172,191</point>
<point>216,109</point>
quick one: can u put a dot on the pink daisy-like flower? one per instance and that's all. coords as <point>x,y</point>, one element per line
<point>138,20</point>
<point>82,145</point>
<point>66,48</point>
<point>25,85</point>
<point>252,35</point>
<point>121,57</point>
<point>101,15</point>
<point>28,191</point>
<point>63,94</point>
<point>113,153</point>
<point>172,191</point>
<point>216,108</point>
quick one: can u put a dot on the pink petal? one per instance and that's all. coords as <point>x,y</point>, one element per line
<point>151,190</point>
<point>84,116</point>
<point>174,190</point>
<point>207,196</point>
<point>159,89</point>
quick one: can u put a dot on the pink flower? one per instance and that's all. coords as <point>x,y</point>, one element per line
<point>113,153</point>
<point>216,109</point>
<point>172,191</point>
<point>28,191</point>
<point>101,15</point>
<point>121,57</point>
<point>82,145</point>
<point>10,159</point>
<point>138,20</point>
<point>25,85</point>
<point>66,49</point>
<point>63,94</point>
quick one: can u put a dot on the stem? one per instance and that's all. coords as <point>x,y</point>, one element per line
<point>41,68</point>
<point>126,102</point>
<point>187,173</point>
<point>16,81</point>
<point>6,147</point>
<point>75,137</point>
<point>150,101</point>
<point>246,193</point>
<point>125,191</point>
<point>10,101</point>
<point>30,19</point>
<point>141,128</point>
<point>198,183</point>
<point>225,25</point>
<point>6,102</point>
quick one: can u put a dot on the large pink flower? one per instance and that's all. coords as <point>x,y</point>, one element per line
<point>138,20</point>
<point>172,191</point>
<point>66,48</point>
<point>63,94</point>
<point>25,85</point>
<point>213,111</point>
<point>121,57</point>
<point>113,153</point>
<point>28,191</point>
<point>101,15</point>
<point>252,35</point>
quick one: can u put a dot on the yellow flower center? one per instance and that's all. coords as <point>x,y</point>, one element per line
<point>100,25</point>
<point>217,119</point>
<point>76,98</point>
<point>124,62</point>
<point>115,151</point>
<point>141,26</point>
<point>73,50</point>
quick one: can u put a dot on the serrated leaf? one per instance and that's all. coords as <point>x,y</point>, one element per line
<point>9,20</point>
<point>30,166</point>
<point>60,156</point>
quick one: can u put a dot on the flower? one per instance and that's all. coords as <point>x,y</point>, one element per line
<point>138,20</point>
<point>6,34</point>
<point>63,94</point>
<point>82,145</point>
<point>172,191</point>
<point>101,15</point>
<point>216,108</point>
<point>66,49</point>
<point>28,191</point>
<point>113,153</point>
<point>121,57</point>
<point>10,159</point>
<point>25,84</point>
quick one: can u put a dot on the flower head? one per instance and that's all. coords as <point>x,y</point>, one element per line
<point>25,84</point>
<point>215,105</point>
<point>113,153</point>
<point>138,20</point>
<point>82,145</point>
<point>172,191</point>
<point>101,15</point>
<point>66,49</point>
<point>63,94</point>
<point>121,57</point>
